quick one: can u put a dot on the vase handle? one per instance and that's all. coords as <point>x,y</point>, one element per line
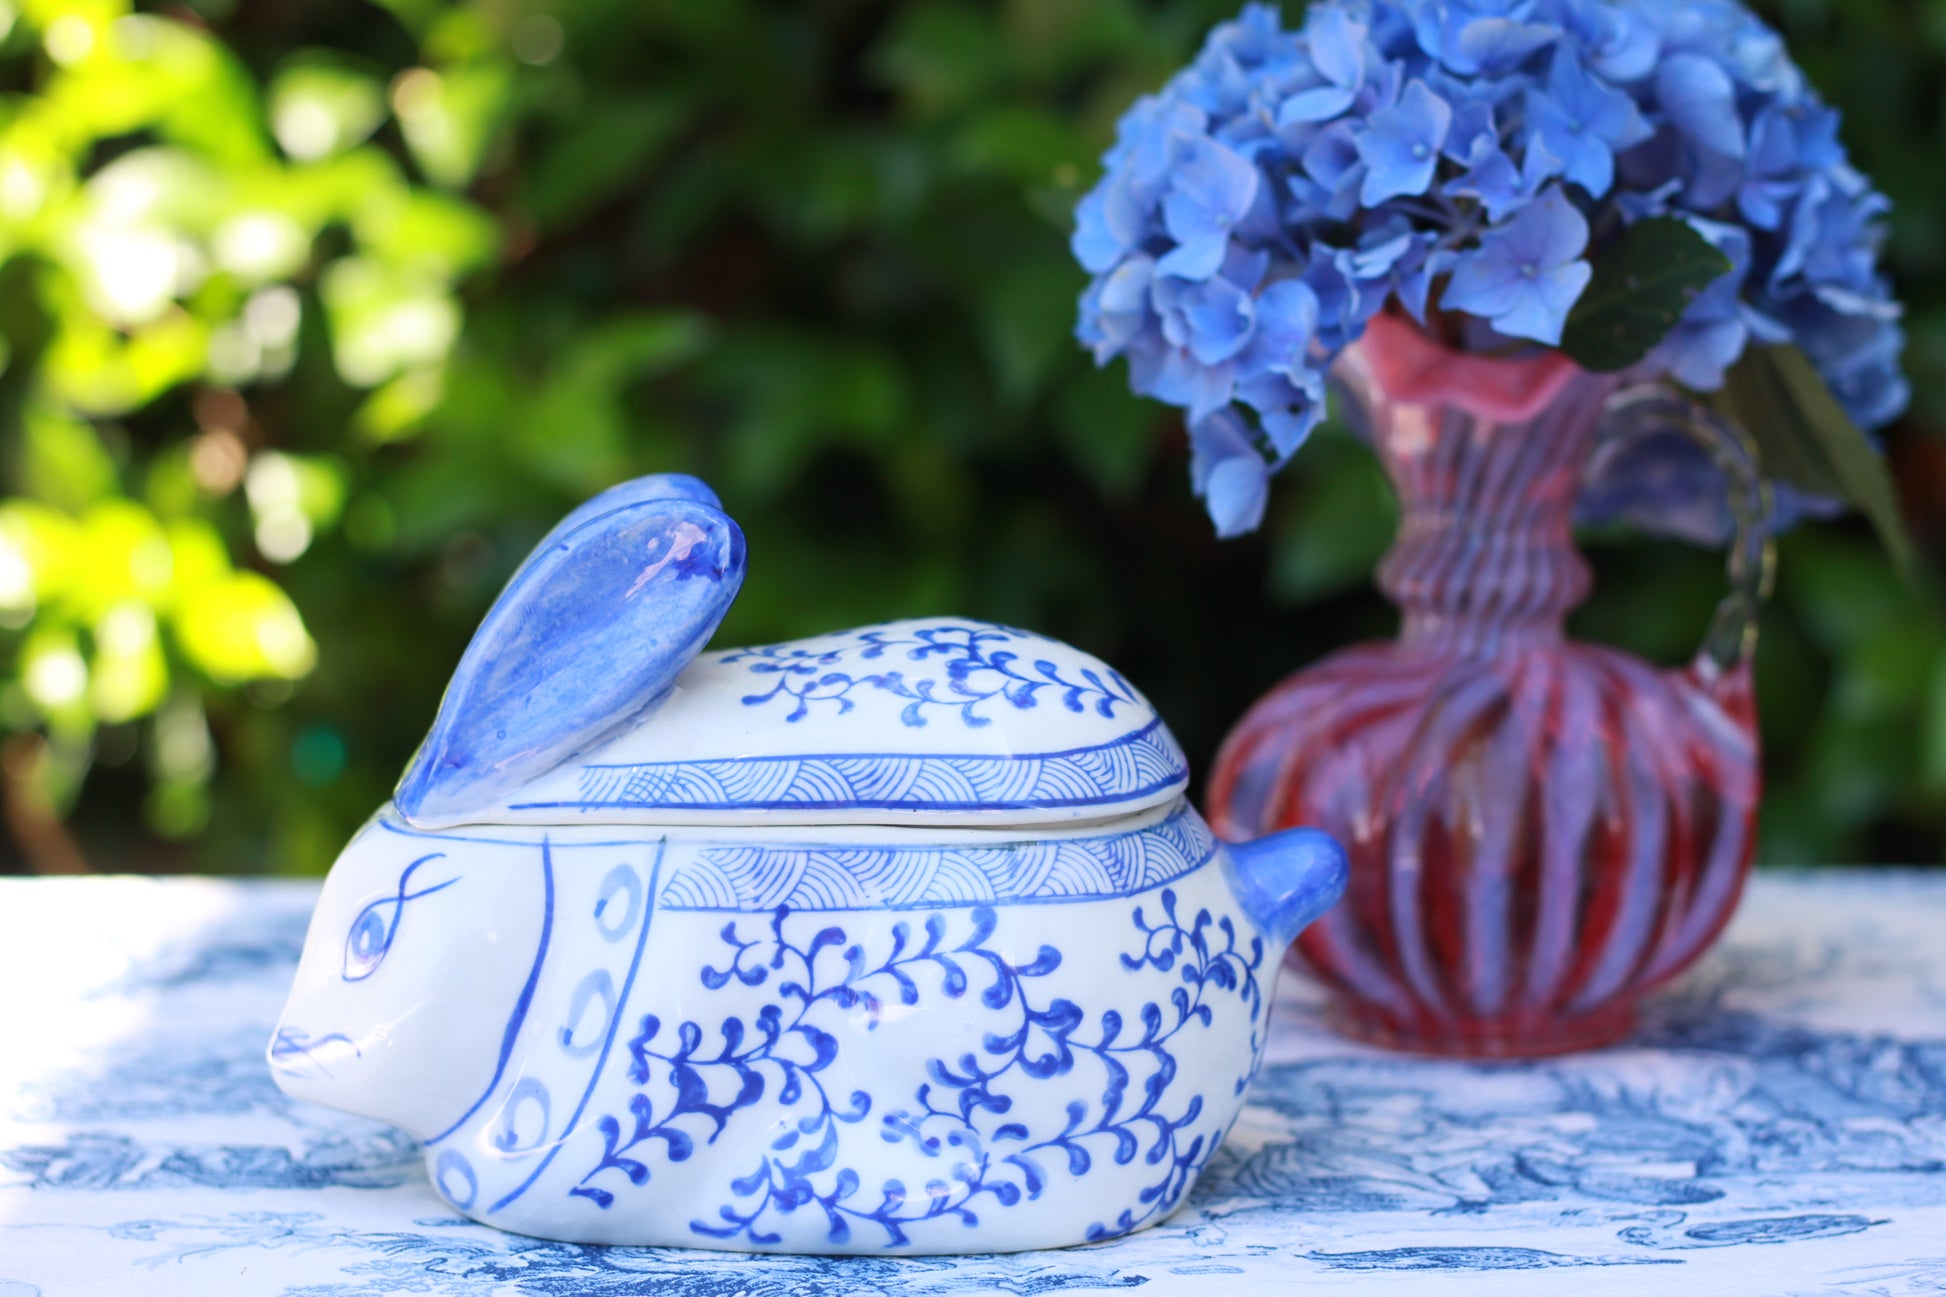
<point>1648,409</point>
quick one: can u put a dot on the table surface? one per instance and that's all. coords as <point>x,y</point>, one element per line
<point>1778,1125</point>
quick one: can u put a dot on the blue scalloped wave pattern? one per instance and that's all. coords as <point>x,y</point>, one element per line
<point>804,877</point>
<point>1133,766</point>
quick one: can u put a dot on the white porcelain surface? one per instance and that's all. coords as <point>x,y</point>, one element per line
<point>818,1040</point>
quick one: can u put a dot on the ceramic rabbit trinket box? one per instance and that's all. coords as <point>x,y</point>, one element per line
<point>898,940</point>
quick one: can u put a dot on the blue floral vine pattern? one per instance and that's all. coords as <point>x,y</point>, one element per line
<point>959,1114</point>
<point>977,670</point>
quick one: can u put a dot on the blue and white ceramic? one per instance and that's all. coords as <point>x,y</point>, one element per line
<point>899,940</point>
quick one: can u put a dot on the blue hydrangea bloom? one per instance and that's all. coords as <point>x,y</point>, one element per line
<point>1528,272</point>
<point>1210,189</point>
<point>1287,185</point>
<point>1337,51</point>
<point>1500,187</point>
<point>1583,122</point>
<point>1229,473</point>
<point>1698,98</point>
<point>1400,149</point>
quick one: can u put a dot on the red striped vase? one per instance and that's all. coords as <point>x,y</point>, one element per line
<point>1540,831</point>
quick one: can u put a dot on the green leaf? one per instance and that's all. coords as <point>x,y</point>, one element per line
<point>943,56</point>
<point>598,156</point>
<point>1109,433</point>
<point>1026,314</point>
<point>1804,437</point>
<point>321,106</point>
<point>1029,145</point>
<point>1642,284</point>
<point>63,460</point>
<point>1344,520</point>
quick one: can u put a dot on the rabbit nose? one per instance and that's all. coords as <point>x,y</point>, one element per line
<point>298,1055</point>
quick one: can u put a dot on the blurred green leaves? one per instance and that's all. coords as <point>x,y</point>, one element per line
<point>321,105</point>
<point>317,316</point>
<point>174,216</point>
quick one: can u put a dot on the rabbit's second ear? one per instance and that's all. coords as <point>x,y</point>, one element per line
<point>592,630</point>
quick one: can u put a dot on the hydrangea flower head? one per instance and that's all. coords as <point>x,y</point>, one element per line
<point>1455,155</point>
<point>1528,271</point>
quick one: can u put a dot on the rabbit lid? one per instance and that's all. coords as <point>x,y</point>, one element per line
<point>578,702</point>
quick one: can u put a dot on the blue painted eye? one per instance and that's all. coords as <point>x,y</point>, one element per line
<point>370,936</point>
<point>375,926</point>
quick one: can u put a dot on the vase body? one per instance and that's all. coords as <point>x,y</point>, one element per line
<point>1540,831</point>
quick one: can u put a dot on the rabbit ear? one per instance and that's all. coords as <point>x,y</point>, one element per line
<point>638,490</point>
<point>592,629</point>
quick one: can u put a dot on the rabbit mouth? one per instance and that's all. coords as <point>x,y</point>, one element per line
<point>299,1055</point>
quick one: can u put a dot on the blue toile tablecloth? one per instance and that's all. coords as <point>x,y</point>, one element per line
<point>1777,1126</point>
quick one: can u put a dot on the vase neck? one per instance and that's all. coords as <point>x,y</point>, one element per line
<point>1486,457</point>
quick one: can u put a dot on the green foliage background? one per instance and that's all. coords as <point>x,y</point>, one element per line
<point>317,314</point>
